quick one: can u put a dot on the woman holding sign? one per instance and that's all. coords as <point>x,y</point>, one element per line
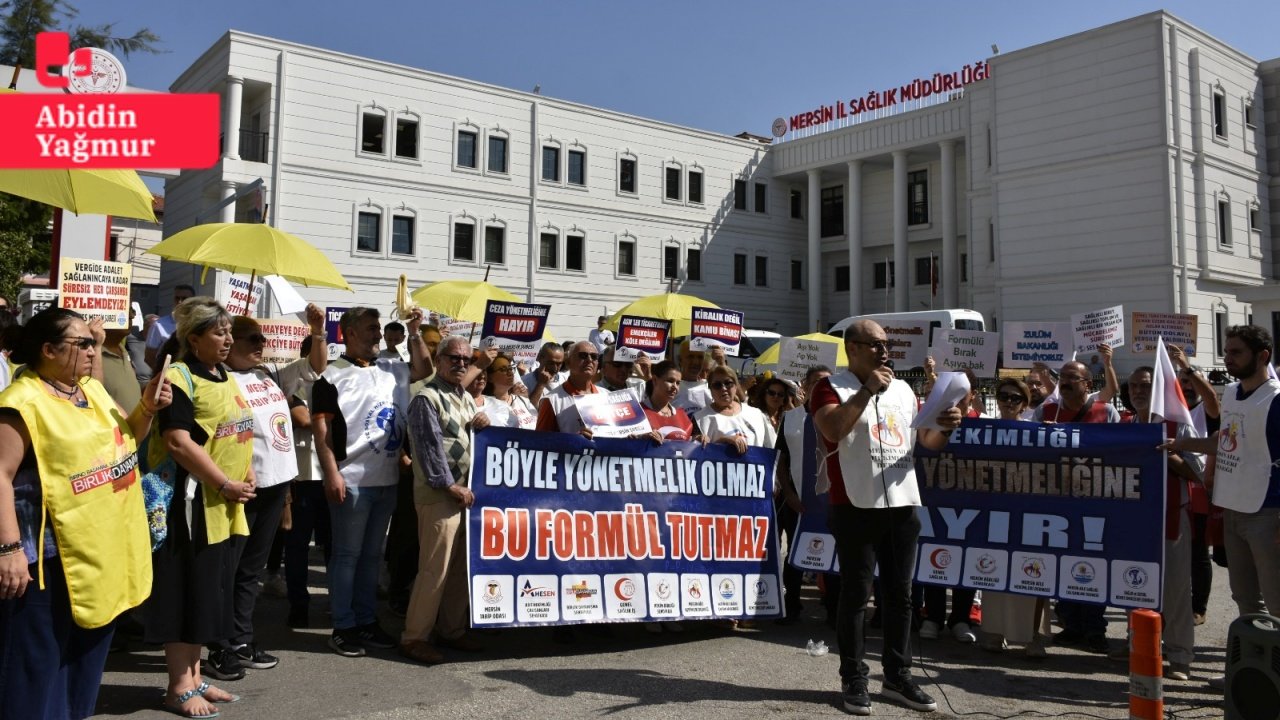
<point>507,409</point>
<point>728,421</point>
<point>669,421</point>
<point>1009,618</point>
<point>74,546</point>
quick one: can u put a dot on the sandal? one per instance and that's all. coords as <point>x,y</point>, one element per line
<point>185,698</point>
<point>204,689</point>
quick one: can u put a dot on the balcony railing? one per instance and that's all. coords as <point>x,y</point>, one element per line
<point>253,145</point>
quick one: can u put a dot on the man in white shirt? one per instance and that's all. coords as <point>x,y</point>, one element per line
<point>548,375</point>
<point>600,337</point>
<point>392,336</point>
<point>694,393</point>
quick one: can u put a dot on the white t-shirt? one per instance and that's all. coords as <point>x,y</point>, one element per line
<point>530,380</point>
<point>160,331</point>
<point>518,414</point>
<point>693,396</point>
<point>274,459</point>
<point>749,423</point>
<point>601,339</point>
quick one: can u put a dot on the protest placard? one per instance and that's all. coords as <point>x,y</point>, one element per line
<point>956,350</point>
<point>1175,328</point>
<point>715,327</point>
<point>514,327</point>
<point>1091,329</point>
<point>236,295</point>
<point>796,356</point>
<point>616,414</point>
<point>908,343</point>
<point>567,530</point>
<point>96,289</point>
<point>284,340</point>
<point>333,331</point>
<point>1028,343</point>
<point>641,335</point>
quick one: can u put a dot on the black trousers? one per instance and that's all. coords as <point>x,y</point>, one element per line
<point>792,576</point>
<point>263,513</point>
<point>864,538</point>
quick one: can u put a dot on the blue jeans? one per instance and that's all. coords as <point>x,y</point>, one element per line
<point>359,532</point>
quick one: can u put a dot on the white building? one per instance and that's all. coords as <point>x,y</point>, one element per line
<point>1123,165</point>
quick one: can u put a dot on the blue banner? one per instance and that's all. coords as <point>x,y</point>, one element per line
<point>1069,511</point>
<point>567,530</point>
<point>813,548</point>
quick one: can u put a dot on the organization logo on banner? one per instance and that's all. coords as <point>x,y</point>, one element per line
<point>663,600</point>
<point>1081,579</point>
<point>492,599</point>
<point>626,596</point>
<point>1135,584</point>
<point>95,123</point>
<point>728,598</point>
<point>580,598</point>
<point>537,602</point>
<point>985,569</point>
<point>765,600</point>
<point>693,598</point>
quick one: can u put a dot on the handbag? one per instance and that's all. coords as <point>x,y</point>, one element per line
<point>158,481</point>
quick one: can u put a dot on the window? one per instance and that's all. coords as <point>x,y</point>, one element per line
<point>577,167</point>
<point>373,129</point>
<point>1249,121</point>
<point>797,204</point>
<point>497,154</point>
<point>842,278</point>
<point>495,251</point>
<point>1224,223</point>
<point>464,241</point>
<point>626,257</point>
<point>467,149</point>
<point>1220,331</point>
<point>693,264</point>
<point>1220,114</point>
<point>739,269</point>
<point>832,211</point>
<point>673,183</point>
<point>1255,219</point>
<point>762,271</point>
<point>882,275</point>
<point>401,235</point>
<point>407,138</point>
<point>369,232</point>
<point>627,175</point>
<point>695,186</point>
<point>762,197</point>
<point>991,242</point>
<point>575,250</point>
<point>924,270</point>
<point>670,262</point>
<point>550,163</point>
<point>739,194</point>
<point>918,197</point>
<point>964,267</point>
<point>797,275</point>
<point>549,251</point>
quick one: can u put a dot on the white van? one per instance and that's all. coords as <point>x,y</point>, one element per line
<point>754,344</point>
<point>950,319</point>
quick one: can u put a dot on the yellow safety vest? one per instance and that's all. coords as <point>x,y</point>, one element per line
<point>87,464</point>
<point>220,410</point>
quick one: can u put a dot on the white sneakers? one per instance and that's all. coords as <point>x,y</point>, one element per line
<point>963,633</point>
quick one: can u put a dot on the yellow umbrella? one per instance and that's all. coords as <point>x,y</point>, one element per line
<point>252,248</point>
<point>770,356</point>
<point>667,306</point>
<point>460,299</point>
<point>100,192</point>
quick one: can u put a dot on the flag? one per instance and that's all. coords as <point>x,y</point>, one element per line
<point>1167,399</point>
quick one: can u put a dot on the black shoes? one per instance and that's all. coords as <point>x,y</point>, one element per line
<point>224,665</point>
<point>346,643</point>
<point>372,635</point>
<point>907,693</point>
<point>855,699</point>
<point>251,657</point>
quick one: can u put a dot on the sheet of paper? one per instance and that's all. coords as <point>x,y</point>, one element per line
<point>948,390</point>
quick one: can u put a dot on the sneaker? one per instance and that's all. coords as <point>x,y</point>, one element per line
<point>1198,619</point>
<point>855,698</point>
<point>1217,682</point>
<point>963,633</point>
<point>251,657</point>
<point>275,586</point>
<point>223,665</point>
<point>1177,671</point>
<point>993,642</point>
<point>907,693</point>
<point>372,635</point>
<point>346,643</point>
<point>929,630</point>
<point>1037,648</point>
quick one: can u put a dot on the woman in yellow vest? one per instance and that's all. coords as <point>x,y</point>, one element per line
<point>74,545</point>
<point>208,430</point>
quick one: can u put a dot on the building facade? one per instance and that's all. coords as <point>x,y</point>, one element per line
<point>1132,164</point>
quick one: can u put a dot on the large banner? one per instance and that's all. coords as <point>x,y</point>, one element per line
<point>1074,512</point>
<point>566,530</point>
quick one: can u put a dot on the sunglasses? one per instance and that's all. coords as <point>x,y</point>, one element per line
<point>722,384</point>
<point>83,343</point>
<point>587,357</point>
<point>775,393</point>
<point>256,339</point>
<point>459,359</point>
<point>878,346</point>
<point>621,364</point>
<point>1010,398</point>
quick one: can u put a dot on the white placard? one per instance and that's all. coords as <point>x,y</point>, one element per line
<point>959,349</point>
<point>1099,326</point>
<point>796,356</point>
<point>908,343</point>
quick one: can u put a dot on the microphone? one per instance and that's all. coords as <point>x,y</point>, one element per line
<point>888,364</point>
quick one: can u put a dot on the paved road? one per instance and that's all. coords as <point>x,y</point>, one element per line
<point>706,672</point>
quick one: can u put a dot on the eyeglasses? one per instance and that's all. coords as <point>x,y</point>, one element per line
<point>84,343</point>
<point>1072,379</point>
<point>1012,398</point>
<point>722,384</point>
<point>621,364</point>
<point>878,345</point>
<point>256,339</point>
<point>587,357</point>
<point>459,359</point>
<point>775,393</point>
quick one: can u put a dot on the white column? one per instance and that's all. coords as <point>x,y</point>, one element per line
<point>853,233</point>
<point>901,273</point>
<point>228,212</point>
<point>231,122</point>
<point>950,251</point>
<point>815,250</point>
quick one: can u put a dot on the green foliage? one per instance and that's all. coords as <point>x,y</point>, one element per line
<point>23,19</point>
<point>24,241</point>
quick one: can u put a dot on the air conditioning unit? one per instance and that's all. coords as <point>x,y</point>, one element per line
<point>1253,668</point>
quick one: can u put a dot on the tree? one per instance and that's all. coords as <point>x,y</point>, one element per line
<point>24,236</point>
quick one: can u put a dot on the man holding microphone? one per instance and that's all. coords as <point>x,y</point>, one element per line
<point>864,418</point>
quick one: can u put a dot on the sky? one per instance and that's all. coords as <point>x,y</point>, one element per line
<point>724,66</point>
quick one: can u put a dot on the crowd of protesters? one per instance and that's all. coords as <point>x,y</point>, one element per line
<point>368,457</point>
